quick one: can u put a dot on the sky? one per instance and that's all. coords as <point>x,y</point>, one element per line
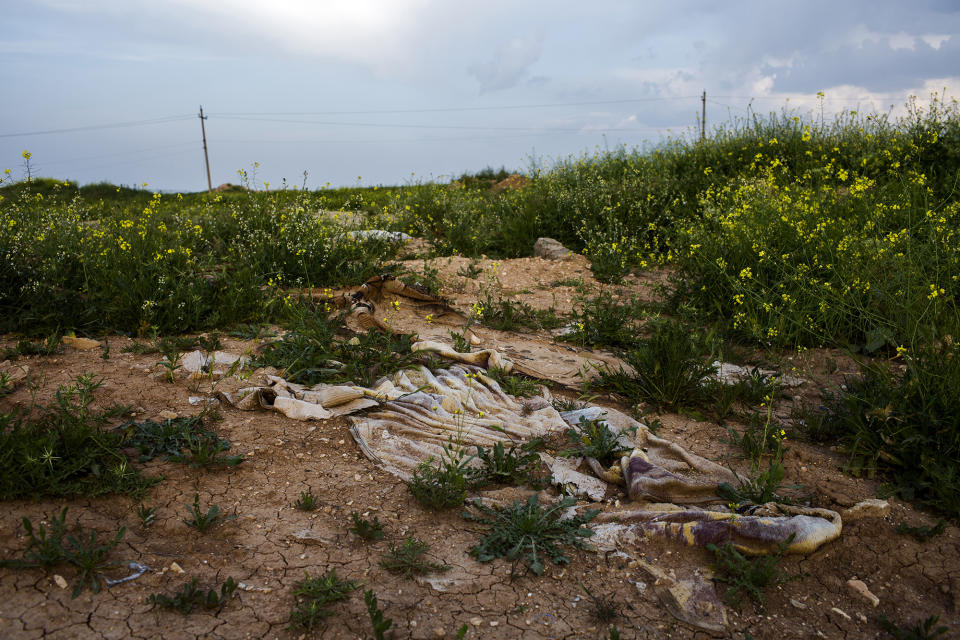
<point>366,92</point>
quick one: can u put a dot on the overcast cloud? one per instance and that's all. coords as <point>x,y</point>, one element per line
<point>385,88</point>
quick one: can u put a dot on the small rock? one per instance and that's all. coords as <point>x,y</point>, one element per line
<point>859,588</point>
<point>862,618</point>
<point>60,581</point>
<point>797,604</point>
<point>867,509</point>
<point>476,621</point>
<point>309,536</point>
<point>176,568</point>
<point>550,249</point>
<point>168,415</point>
<point>494,623</point>
<point>439,632</point>
<point>840,612</point>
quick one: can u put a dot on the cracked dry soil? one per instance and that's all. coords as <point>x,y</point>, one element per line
<point>265,549</point>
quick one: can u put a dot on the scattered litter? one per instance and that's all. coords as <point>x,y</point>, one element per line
<point>691,600</point>
<point>564,474</point>
<point>309,536</point>
<point>139,570</point>
<point>200,400</point>
<point>217,364</point>
<point>872,508</point>
<point>250,587</point>
<point>728,373</point>
<point>81,344</point>
<point>379,234</point>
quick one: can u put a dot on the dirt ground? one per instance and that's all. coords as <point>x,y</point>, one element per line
<point>270,545</point>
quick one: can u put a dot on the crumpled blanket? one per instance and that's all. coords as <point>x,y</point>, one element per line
<point>760,532</point>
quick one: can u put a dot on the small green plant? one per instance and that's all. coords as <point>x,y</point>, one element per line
<point>47,549</point>
<point>509,315</point>
<point>614,633</point>
<point>923,533</point>
<point>525,530</point>
<point>594,439</point>
<point>750,577</point>
<point>205,450</point>
<point>603,609</point>
<point>471,270</point>
<point>443,486</point>
<point>408,559</point>
<point>514,466</point>
<point>925,629</point>
<point>380,624</point>
<point>365,529</point>
<point>171,360</point>
<point>461,344</point>
<point>147,515</point>
<point>604,321</point>
<point>48,347</point>
<point>307,501</point>
<point>514,384</point>
<point>202,521</point>
<point>189,596</point>
<point>315,595</point>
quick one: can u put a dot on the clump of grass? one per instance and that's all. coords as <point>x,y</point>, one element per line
<point>522,532</point>
<point>189,596</point>
<point>923,533</point>
<point>147,515</point>
<point>595,439</point>
<point>517,465</point>
<point>748,577</point>
<point>510,315</point>
<point>180,440</point>
<point>408,559</point>
<point>309,354</point>
<point>47,347</point>
<point>48,548</point>
<point>461,344</point>
<point>445,485</point>
<point>925,629</point>
<point>61,449</point>
<point>905,425</point>
<point>314,597</point>
<point>366,529</point>
<point>604,321</point>
<point>668,368</point>
<point>514,384</point>
<point>380,624</point>
<point>307,501</point>
<point>603,609</point>
<point>202,521</point>
<point>762,483</point>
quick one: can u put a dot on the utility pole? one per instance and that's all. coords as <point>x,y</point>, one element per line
<point>703,116</point>
<point>206,158</point>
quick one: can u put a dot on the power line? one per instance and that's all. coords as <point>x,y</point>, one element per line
<point>432,126</point>
<point>116,125</point>
<point>449,109</point>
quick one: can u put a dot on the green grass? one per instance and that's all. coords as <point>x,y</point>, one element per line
<point>47,548</point>
<point>63,449</point>
<point>314,597</point>
<point>749,577</point>
<point>202,520</point>
<point>408,559</point>
<point>189,596</point>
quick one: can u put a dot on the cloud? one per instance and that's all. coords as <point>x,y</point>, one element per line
<point>509,65</point>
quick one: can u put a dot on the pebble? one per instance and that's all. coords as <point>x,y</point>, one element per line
<point>859,588</point>
<point>61,582</point>
<point>476,621</point>
<point>439,632</point>
<point>176,568</point>
<point>841,612</point>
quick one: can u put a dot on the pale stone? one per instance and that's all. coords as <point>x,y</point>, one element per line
<point>550,249</point>
<point>61,582</point>
<point>176,568</point>
<point>858,587</point>
<point>872,508</point>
